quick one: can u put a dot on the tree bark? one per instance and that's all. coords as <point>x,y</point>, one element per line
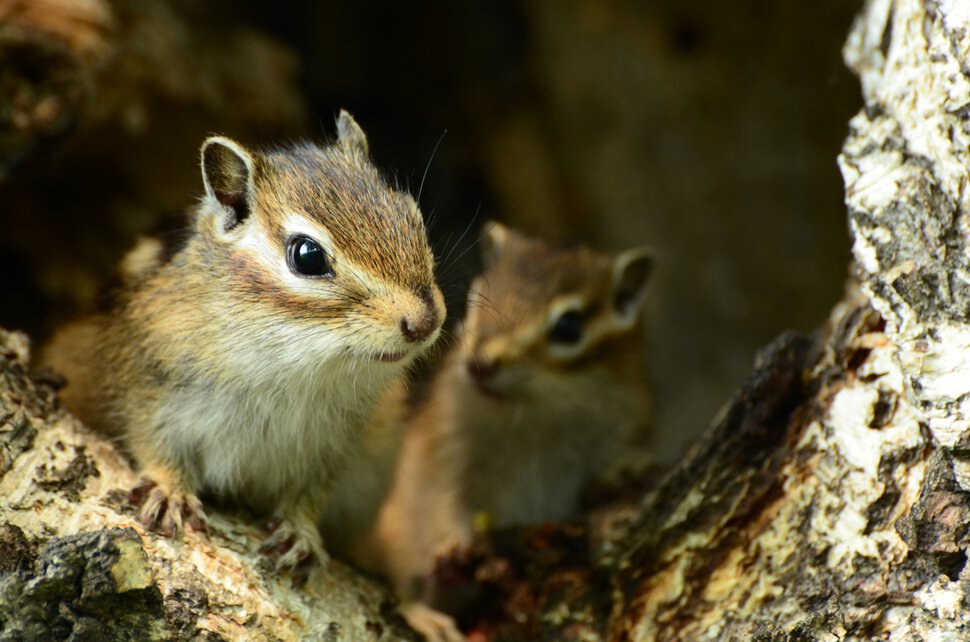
<point>829,500</point>
<point>831,497</point>
<point>75,564</point>
<point>73,66</point>
<point>104,106</point>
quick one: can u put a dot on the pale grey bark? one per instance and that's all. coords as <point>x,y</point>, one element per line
<point>861,529</point>
<point>830,500</point>
<point>76,564</point>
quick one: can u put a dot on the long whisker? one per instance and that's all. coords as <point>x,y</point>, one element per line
<point>428,165</point>
<point>482,302</point>
<point>454,246</point>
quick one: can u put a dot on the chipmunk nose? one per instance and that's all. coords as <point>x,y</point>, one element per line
<point>418,329</point>
<point>420,326</point>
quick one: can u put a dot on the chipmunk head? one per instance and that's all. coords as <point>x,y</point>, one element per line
<point>320,253</point>
<point>540,313</point>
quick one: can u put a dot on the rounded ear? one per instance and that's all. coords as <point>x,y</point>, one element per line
<point>350,135</point>
<point>227,171</point>
<point>631,274</point>
<point>493,241</point>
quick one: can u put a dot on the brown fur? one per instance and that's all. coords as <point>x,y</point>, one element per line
<point>550,419</point>
<point>227,373</point>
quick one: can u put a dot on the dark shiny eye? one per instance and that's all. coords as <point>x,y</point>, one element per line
<point>568,328</point>
<point>306,258</point>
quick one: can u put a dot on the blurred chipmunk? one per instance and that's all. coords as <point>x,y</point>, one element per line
<point>545,390</point>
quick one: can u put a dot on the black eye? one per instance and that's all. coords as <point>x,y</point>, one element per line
<point>568,328</point>
<point>306,258</point>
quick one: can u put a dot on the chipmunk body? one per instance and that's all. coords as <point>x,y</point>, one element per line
<point>544,391</point>
<point>252,364</point>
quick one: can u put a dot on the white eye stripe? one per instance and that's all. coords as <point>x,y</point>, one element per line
<point>272,254</point>
<point>595,327</point>
<point>296,225</point>
<point>562,305</point>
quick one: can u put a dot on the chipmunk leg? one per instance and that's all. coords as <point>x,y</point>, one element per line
<point>167,502</point>
<point>295,536</point>
<point>434,625</point>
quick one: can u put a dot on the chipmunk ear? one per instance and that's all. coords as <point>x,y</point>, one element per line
<point>493,241</point>
<point>350,135</point>
<point>631,274</point>
<point>227,171</point>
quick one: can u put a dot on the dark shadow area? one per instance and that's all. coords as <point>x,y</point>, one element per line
<point>709,132</point>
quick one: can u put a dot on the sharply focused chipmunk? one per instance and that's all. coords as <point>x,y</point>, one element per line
<point>545,390</point>
<point>263,362</point>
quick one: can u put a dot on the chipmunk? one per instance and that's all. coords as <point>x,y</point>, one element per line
<point>263,362</point>
<point>544,391</point>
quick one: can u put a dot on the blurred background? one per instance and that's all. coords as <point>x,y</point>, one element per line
<point>707,130</point>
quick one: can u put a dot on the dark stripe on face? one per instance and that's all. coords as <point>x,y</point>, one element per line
<point>375,227</point>
<point>253,282</point>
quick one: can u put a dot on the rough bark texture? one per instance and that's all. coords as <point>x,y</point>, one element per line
<point>75,564</point>
<point>831,498</point>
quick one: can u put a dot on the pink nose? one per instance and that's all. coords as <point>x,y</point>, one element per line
<point>421,325</point>
<point>418,329</point>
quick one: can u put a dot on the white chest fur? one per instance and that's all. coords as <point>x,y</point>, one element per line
<point>258,442</point>
<point>528,460</point>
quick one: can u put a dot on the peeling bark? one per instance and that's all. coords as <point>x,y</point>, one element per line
<point>831,498</point>
<point>76,564</point>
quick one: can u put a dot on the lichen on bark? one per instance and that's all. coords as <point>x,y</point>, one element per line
<point>75,563</point>
<point>830,498</point>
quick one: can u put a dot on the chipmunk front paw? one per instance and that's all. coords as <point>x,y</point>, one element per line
<point>297,546</point>
<point>167,509</point>
<point>434,625</point>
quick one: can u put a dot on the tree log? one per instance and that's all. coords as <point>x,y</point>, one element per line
<point>829,500</point>
<point>75,563</point>
<point>84,64</point>
<point>105,104</point>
